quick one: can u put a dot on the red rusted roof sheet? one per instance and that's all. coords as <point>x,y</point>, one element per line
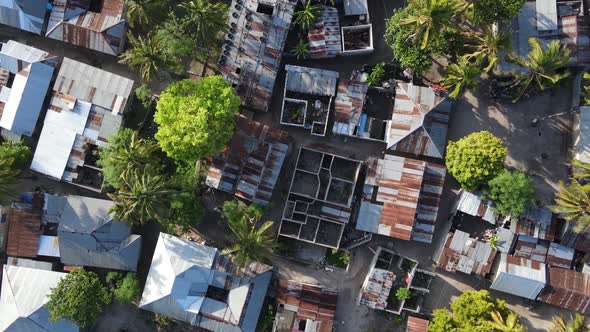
<point>416,324</point>
<point>24,229</point>
<point>567,289</point>
<point>313,302</point>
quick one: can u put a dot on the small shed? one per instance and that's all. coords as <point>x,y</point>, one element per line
<point>520,276</point>
<point>474,205</point>
<point>560,256</point>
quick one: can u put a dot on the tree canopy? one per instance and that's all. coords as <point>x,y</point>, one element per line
<point>79,297</point>
<point>473,311</point>
<point>196,118</point>
<point>127,289</point>
<point>512,193</point>
<point>475,159</point>
<point>490,11</point>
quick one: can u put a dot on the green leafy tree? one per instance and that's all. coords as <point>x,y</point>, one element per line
<point>403,294</point>
<point>18,154</point>
<point>490,11</point>
<point>142,197</point>
<point>250,243</point>
<point>185,212</point>
<point>79,297</point>
<point>461,76</point>
<point>150,55</point>
<point>177,40</point>
<point>573,204</point>
<point>512,193</point>
<point>144,12</point>
<point>487,45</point>
<point>576,323</point>
<point>145,94</point>
<point>8,181</point>
<point>128,289</point>
<point>510,324</point>
<point>204,19</point>
<point>301,50</point>
<point>471,312</point>
<point>494,242</point>
<point>125,153</point>
<point>307,16</point>
<point>429,18</point>
<point>586,91</point>
<point>196,118</point>
<point>475,159</point>
<point>543,66</point>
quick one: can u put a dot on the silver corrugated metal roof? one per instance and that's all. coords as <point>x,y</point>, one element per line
<point>311,80</point>
<point>178,280</point>
<point>505,240</point>
<point>356,7</point>
<point>28,15</point>
<point>520,276</point>
<point>546,15</point>
<point>472,204</point>
<point>23,298</point>
<point>583,142</point>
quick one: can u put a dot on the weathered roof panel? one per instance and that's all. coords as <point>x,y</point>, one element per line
<point>465,254</point>
<point>24,229</point>
<point>546,14</point>
<point>315,304</point>
<point>520,276</point>
<point>567,289</point>
<point>311,80</point>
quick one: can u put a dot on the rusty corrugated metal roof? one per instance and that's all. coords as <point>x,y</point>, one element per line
<point>465,254</point>
<point>400,194</point>
<point>420,121</point>
<point>251,163</point>
<point>349,106</point>
<point>567,289</point>
<point>536,222</point>
<point>24,229</point>
<point>416,324</point>
<point>531,248</point>
<point>309,302</point>
<point>324,38</point>
<point>251,55</point>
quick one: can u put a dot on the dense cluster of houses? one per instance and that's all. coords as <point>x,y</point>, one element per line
<point>333,202</point>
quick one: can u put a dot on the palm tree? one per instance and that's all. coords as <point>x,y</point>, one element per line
<point>573,204</point>
<point>461,76</point>
<point>7,180</point>
<point>136,154</point>
<point>582,170</point>
<point>250,243</point>
<point>575,324</point>
<point>301,50</point>
<point>306,17</point>
<point>143,197</point>
<point>204,19</point>
<point>542,65</point>
<point>488,45</point>
<point>149,54</point>
<point>510,324</point>
<point>142,11</point>
<point>430,17</point>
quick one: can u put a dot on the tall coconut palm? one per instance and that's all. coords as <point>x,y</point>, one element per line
<point>143,197</point>
<point>301,50</point>
<point>307,16</point>
<point>543,65</point>
<point>428,18</point>
<point>150,54</point>
<point>142,12</point>
<point>487,46</point>
<point>204,19</point>
<point>510,324</point>
<point>250,243</point>
<point>136,154</point>
<point>575,324</point>
<point>573,204</point>
<point>461,76</point>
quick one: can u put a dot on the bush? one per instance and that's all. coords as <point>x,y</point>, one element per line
<point>512,193</point>
<point>113,278</point>
<point>338,258</point>
<point>403,294</point>
<point>196,118</point>
<point>19,153</point>
<point>79,297</point>
<point>127,289</point>
<point>376,76</point>
<point>185,211</point>
<point>475,159</point>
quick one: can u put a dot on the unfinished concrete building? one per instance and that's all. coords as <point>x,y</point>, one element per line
<point>320,200</point>
<point>308,97</point>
